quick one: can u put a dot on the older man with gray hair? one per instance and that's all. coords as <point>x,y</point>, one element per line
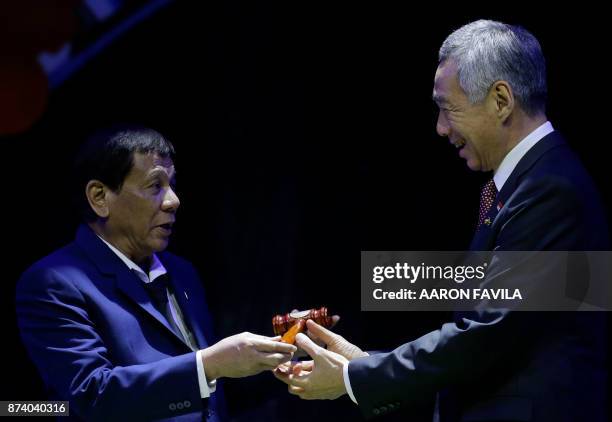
<point>494,365</point>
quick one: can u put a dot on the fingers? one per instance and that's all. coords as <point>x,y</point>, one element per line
<point>272,360</point>
<point>267,345</point>
<point>296,368</point>
<point>296,383</point>
<point>306,365</point>
<point>306,344</point>
<point>259,336</point>
<point>300,392</point>
<point>302,367</point>
<point>295,390</point>
<point>292,380</point>
<point>320,332</point>
<point>335,319</point>
<point>284,368</point>
<point>263,338</point>
<point>282,376</point>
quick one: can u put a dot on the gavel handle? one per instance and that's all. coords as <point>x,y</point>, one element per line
<point>298,327</point>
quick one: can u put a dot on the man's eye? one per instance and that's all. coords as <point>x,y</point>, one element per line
<point>156,186</point>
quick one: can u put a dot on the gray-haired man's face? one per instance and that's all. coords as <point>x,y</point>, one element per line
<point>471,128</point>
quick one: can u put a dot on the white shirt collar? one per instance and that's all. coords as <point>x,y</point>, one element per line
<point>157,268</point>
<point>514,156</point>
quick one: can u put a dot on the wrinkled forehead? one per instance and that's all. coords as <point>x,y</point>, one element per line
<point>148,162</point>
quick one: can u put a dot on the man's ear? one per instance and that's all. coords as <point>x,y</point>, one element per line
<point>98,197</point>
<point>502,99</point>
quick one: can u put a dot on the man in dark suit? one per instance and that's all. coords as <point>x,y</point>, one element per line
<point>114,324</point>
<point>491,365</point>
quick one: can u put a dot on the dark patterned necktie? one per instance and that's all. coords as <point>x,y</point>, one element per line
<point>487,196</point>
<point>158,289</point>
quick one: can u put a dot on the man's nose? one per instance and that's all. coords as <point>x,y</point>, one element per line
<point>171,201</point>
<point>442,126</point>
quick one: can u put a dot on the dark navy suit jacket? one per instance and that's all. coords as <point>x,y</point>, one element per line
<point>90,328</point>
<point>501,365</point>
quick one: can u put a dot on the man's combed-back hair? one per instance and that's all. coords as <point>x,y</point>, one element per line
<point>487,51</point>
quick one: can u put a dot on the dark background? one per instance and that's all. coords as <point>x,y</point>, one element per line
<point>304,135</point>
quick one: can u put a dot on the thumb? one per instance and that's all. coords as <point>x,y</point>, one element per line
<point>320,332</point>
<point>306,344</point>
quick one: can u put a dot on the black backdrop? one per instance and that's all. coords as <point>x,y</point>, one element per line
<point>304,135</point>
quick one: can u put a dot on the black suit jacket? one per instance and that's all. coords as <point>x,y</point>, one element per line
<point>510,366</point>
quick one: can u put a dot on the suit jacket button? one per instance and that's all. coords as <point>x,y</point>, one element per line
<point>376,411</point>
<point>187,404</point>
<point>172,406</point>
<point>179,406</point>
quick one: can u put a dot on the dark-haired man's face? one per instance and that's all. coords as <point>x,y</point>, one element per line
<point>142,212</point>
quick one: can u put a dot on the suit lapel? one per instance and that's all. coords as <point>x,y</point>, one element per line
<point>189,311</point>
<point>550,141</point>
<point>126,281</point>
<point>133,288</point>
<point>483,237</point>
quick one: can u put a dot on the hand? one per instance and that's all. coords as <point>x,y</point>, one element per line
<point>320,378</point>
<point>243,355</point>
<point>294,367</point>
<point>335,343</point>
<point>300,353</point>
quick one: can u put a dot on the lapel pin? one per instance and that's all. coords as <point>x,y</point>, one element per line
<point>487,221</point>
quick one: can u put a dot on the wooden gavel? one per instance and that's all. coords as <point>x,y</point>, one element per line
<point>289,325</point>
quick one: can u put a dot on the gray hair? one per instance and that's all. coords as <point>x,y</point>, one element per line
<point>487,51</point>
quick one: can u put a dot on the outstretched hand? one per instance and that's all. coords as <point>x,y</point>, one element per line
<point>318,379</point>
<point>243,355</point>
<point>335,342</point>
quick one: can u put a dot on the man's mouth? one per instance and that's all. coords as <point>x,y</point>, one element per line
<point>166,226</point>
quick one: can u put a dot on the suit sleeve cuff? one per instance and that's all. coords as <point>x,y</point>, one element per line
<point>206,388</point>
<point>347,382</point>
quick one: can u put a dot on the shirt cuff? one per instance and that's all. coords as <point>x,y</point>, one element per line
<point>347,382</point>
<point>206,388</point>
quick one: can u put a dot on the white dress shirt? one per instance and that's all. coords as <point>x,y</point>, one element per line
<point>511,159</point>
<point>158,269</point>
